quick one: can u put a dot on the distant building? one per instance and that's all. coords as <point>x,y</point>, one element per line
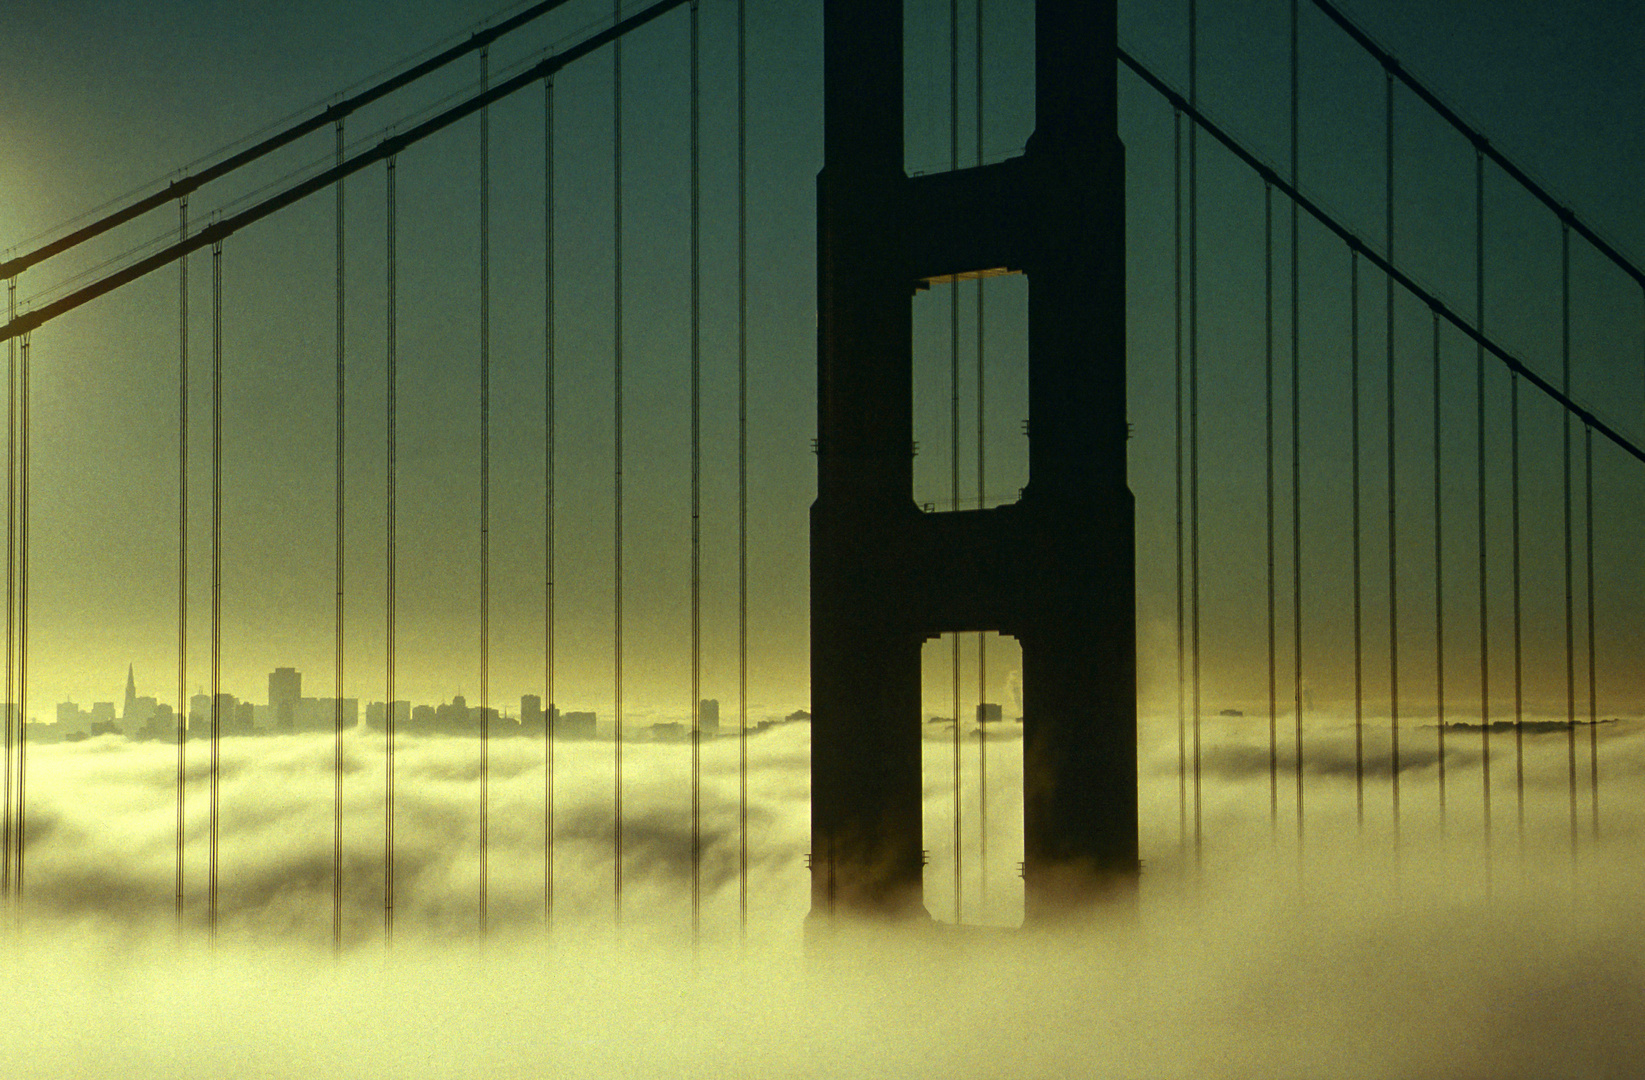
<point>136,710</point>
<point>102,719</point>
<point>161,724</point>
<point>102,715</point>
<point>671,731</point>
<point>708,716</point>
<point>423,718</point>
<point>320,714</point>
<point>495,724</point>
<point>454,717</point>
<point>574,725</point>
<point>989,712</point>
<point>131,692</point>
<point>72,722</point>
<point>375,714</point>
<point>199,715</point>
<point>285,693</point>
<point>531,714</point>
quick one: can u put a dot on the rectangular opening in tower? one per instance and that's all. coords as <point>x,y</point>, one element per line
<point>989,848</point>
<point>970,415</point>
<point>933,80</point>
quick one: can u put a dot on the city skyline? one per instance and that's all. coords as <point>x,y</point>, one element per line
<point>286,710</point>
<point>1334,884</point>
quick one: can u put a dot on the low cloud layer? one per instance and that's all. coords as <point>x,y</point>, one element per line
<point>1347,956</point>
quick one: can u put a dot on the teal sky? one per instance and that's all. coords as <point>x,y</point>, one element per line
<point>101,99</point>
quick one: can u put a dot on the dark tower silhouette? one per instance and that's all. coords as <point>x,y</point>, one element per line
<point>1055,569</point>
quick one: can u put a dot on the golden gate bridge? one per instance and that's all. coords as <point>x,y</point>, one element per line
<point>1416,468</point>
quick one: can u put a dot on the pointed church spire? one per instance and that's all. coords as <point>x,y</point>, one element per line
<point>131,694</point>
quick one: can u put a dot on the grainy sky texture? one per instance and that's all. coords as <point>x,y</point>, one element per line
<point>102,99</point>
<point>1437,955</point>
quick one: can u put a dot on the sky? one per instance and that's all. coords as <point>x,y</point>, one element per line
<point>173,84</point>
<point>1242,965</point>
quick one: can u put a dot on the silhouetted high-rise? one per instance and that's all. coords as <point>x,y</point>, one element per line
<point>285,697</point>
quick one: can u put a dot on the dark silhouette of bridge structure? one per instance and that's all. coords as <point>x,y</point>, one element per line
<point>1056,568</point>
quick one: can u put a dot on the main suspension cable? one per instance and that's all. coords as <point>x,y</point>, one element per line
<point>182,187</point>
<point>227,226</point>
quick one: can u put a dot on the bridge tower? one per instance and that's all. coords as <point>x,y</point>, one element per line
<point>1056,569</point>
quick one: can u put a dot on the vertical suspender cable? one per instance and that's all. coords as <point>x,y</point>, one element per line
<point>485,488</point>
<point>1182,578</point>
<point>549,710</point>
<point>1479,426</point>
<point>182,556</point>
<point>20,821</point>
<point>1593,685</point>
<point>1393,502</point>
<point>1354,473</point>
<point>391,438</point>
<point>11,579</point>
<point>1439,584</point>
<point>216,579</point>
<point>617,472</point>
<point>742,468</point>
<point>337,716</point>
<point>1193,399</point>
<point>20,837</point>
<point>696,495</point>
<point>1268,457</point>
<point>1570,616</point>
<point>1296,439</point>
<point>982,462</point>
<point>1519,639</point>
<point>954,417</point>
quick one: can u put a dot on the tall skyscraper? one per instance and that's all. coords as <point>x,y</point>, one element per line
<point>285,696</point>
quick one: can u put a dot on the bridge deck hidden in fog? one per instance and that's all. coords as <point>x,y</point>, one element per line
<point>559,461</point>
